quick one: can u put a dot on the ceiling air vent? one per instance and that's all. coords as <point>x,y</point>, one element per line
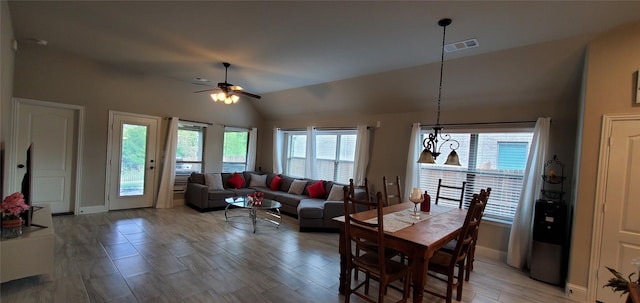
<point>457,46</point>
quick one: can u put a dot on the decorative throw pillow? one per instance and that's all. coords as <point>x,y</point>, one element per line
<point>258,180</point>
<point>213,181</point>
<point>275,183</point>
<point>297,187</point>
<point>316,190</point>
<point>236,181</point>
<point>336,193</point>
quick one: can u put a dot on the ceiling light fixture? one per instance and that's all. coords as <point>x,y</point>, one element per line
<point>224,97</point>
<point>431,148</point>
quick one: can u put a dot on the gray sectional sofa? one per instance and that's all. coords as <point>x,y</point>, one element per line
<point>204,193</point>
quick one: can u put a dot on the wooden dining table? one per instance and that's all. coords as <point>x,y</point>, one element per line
<point>418,241</point>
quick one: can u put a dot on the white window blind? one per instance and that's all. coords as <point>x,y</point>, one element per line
<point>488,159</point>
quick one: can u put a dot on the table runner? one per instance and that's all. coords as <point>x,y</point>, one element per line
<point>402,219</point>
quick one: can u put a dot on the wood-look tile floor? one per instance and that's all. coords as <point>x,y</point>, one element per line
<point>181,255</point>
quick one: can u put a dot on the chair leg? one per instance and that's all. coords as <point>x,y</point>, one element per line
<point>461,272</point>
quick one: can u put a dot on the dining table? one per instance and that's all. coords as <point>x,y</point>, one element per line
<point>416,238</point>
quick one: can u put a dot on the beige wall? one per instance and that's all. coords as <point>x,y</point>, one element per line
<point>613,59</point>
<point>42,73</point>
<point>6,81</point>
<point>518,80</point>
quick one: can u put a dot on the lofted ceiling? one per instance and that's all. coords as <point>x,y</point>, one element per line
<point>276,46</point>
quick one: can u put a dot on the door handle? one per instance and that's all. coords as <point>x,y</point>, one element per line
<point>150,167</point>
<point>20,165</point>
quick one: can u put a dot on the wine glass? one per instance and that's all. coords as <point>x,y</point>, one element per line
<point>416,200</point>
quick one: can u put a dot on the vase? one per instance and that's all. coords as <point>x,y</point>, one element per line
<point>11,228</point>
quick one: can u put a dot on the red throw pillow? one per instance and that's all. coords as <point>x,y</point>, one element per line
<point>316,190</point>
<point>275,183</point>
<point>236,181</point>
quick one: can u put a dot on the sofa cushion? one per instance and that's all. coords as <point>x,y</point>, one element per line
<point>316,190</point>
<point>220,194</point>
<point>290,199</point>
<point>286,183</point>
<point>197,178</point>
<point>275,183</point>
<point>213,181</point>
<point>297,187</point>
<point>236,181</point>
<point>242,191</point>
<point>258,180</point>
<point>336,193</point>
<point>311,208</point>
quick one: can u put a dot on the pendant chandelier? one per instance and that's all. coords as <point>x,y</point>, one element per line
<point>431,148</point>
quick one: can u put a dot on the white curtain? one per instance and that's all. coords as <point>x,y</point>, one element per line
<point>361,160</point>
<point>310,163</point>
<point>277,150</point>
<point>164,198</point>
<point>251,149</point>
<point>521,229</point>
<point>413,167</point>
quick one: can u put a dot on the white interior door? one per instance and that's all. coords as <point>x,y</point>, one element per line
<point>51,130</point>
<point>620,227</point>
<point>132,161</point>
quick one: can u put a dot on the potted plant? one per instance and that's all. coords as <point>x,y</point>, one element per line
<point>12,206</point>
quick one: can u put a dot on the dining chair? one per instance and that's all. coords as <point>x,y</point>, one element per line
<point>449,267</point>
<point>484,198</point>
<point>368,236</point>
<point>392,191</point>
<point>449,247</point>
<point>450,192</point>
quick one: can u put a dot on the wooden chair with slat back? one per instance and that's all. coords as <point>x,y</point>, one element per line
<point>449,247</point>
<point>484,198</point>
<point>448,192</point>
<point>392,191</point>
<point>364,187</point>
<point>373,261</point>
<point>449,267</point>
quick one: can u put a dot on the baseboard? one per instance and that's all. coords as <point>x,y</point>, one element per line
<point>576,293</point>
<point>492,254</point>
<point>93,209</point>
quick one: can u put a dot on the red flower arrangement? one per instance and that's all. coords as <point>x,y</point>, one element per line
<point>13,205</point>
<point>256,197</point>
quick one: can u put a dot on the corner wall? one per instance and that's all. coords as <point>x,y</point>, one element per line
<point>613,59</point>
<point>7,57</point>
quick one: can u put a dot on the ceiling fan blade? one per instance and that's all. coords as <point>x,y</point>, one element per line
<point>206,90</point>
<point>246,94</point>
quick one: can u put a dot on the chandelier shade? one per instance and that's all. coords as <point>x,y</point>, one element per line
<point>430,143</point>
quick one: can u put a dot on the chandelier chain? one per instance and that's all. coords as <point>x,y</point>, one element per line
<point>444,31</point>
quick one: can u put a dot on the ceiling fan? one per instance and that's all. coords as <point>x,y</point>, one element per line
<point>227,92</point>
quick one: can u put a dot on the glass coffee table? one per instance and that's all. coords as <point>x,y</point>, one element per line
<point>269,207</point>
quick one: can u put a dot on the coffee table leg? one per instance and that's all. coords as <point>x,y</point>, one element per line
<point>254,218</point>
<point>225,212</point>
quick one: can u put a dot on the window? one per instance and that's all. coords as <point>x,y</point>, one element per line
<point>189,153</point>
<point>335,154</point>
<point>489,159</point>
<point>190,149</point>
<point>296,153</point>
<point>234,152</point>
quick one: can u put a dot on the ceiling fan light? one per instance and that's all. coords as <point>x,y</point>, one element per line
<point>222,96</point>
<point>235,98</point>
<point>214,97</point>
<point>228,101</point>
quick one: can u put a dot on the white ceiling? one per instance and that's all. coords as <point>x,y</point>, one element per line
<point>275,46</point>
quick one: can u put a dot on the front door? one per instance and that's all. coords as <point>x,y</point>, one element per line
<point>51,130</point>
<point>621,226</point>
<point>132,160</point>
